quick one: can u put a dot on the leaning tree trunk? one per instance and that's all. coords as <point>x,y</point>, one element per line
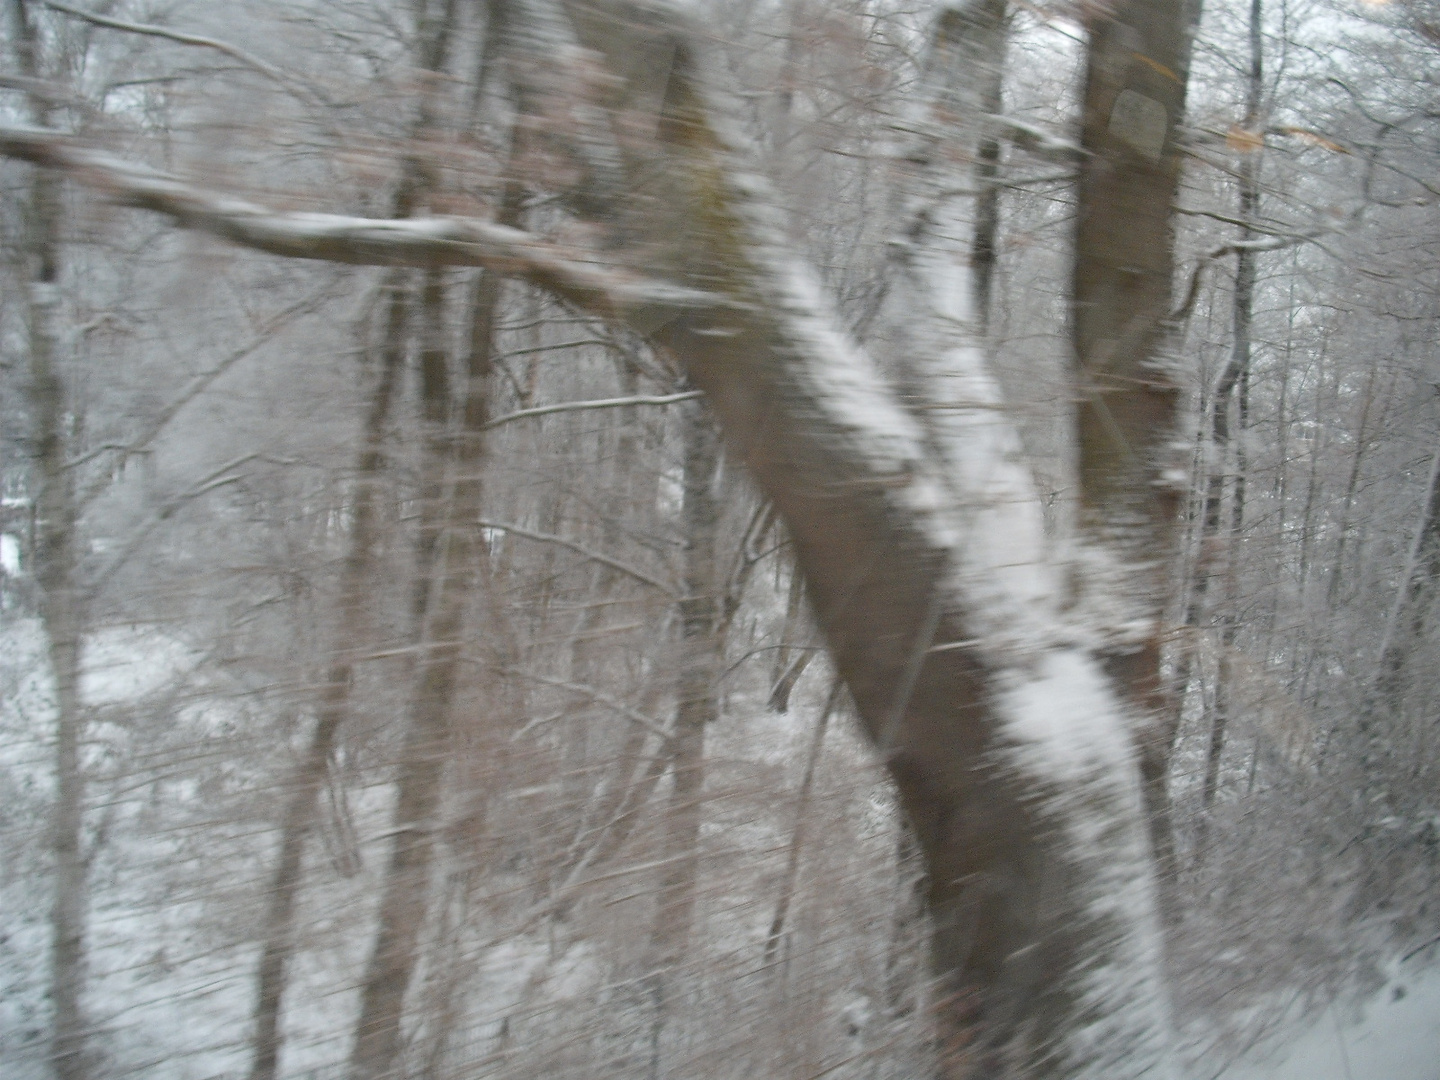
<point>985,251</point>
<point>456,560</point>
<point>334,705</point>
<point>61,617</point>
<point>1404,628</point>
<point>925,559</point>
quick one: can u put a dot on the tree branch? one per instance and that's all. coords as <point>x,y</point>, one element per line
<point>602,698</point>
<point>607,290</point>
<point>586,406</point>
<point>291,82</point>
<point>197,386</point>
<point>580,549</point>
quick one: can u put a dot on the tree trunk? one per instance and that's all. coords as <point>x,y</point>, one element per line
<point>1235,384</point>
<point>333,707</point>
<point>458,549</point>
<point>61,615</point>
<point>797,833</point>
<point>1021,919</point>
<point>61,605</point>
<point>984,250</point>
<point>696,705</point>
<point>1132,474</point>
<point>1403,628</point>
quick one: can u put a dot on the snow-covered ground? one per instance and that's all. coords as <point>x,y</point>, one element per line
<point>1393,1035</point>
<point>171,966</point>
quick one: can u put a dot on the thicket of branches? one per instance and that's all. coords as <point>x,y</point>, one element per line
<point>402,678</point>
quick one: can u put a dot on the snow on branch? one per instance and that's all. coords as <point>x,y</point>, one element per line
<point>605,289</point>
<point>586,406</point>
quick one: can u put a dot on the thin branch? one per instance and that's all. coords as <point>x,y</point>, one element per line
<point>291,82</point>
<point>797,835</point>
<point>1036,140</point>
<point>216,479</point>
<point>197,386</point>
<point>606,290</point>
<point>585,406</point>
<point>1274,243</point>
<point>580,549</point>
<point>1229,220</point>
<point>602,698</point>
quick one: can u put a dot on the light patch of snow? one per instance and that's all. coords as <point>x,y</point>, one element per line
<point>1064,719</point>
<point>125,663</point>
<point>1394,1035</point>
<point>1067,728</point>
<point>9,554</point>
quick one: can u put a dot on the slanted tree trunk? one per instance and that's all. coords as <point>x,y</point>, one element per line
<point>791,876</point>
<point>334,705</point>
<point>1403,628</point>
<point>62,616</point>
<point>433,712</point>
<point>984,249</point>
<point>788,668</point>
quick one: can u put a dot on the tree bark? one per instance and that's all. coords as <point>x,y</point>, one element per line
<point>797,833</point>
<point>61,604</point>
<point>985,248</point>
<point>458,550</point>
<point>334,705</point>
<point>696,706</point>
<point>1131,459</point>
<point>1235,385</point>
<point>878,522</point>
<point>333,708</point>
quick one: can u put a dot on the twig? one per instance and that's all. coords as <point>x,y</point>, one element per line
<point>291,82</point>
<point>581,549</point>
<point>602,698</point>
<point>209,483</point>
<point>197,386</point>
<point>427,242</point>
<point>584,406</point>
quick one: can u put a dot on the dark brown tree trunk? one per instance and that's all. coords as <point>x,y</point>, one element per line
<point>791,875</point>
<point>1131,460</point>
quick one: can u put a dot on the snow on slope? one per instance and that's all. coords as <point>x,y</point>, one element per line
<point>1394,1035</point>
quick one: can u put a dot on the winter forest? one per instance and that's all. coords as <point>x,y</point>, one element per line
<point>716,539</point>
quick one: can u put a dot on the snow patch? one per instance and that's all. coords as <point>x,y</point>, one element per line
<point>9,555</point>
